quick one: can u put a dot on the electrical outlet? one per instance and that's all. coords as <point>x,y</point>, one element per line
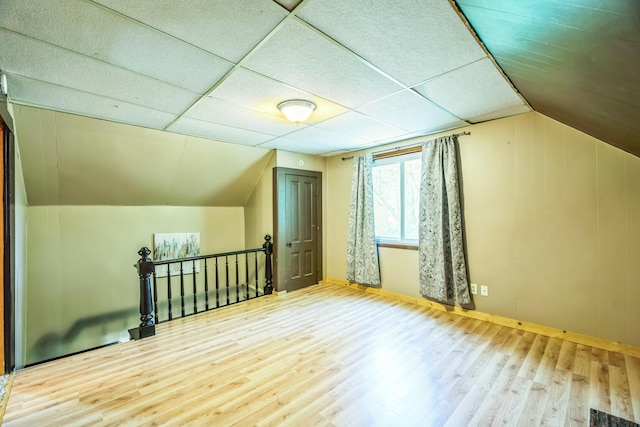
<point>474,289</point>
<point>484,290</point>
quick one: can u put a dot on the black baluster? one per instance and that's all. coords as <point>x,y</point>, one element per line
<point>206,287</point>
<point>217,286</point>
<point>195,288</point>
<point>155,297</point>
<point>237,281</point>
<point>181,290</point>
<point>169,291</point>
<point>226,266</point>
<point>268,250</point>
<point>256,271</point>
<point>246,276</point>
<point>145,267</point>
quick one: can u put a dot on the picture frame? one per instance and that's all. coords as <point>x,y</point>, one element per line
<point>167,246</point>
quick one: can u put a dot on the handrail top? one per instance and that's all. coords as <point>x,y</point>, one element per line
<point>199,257</point>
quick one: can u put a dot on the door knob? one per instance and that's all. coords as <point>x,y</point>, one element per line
<point>288,244</point>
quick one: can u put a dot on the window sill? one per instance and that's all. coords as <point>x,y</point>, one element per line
<point>410,247</point>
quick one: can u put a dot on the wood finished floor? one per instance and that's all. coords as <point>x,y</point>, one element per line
<point>329,355</point>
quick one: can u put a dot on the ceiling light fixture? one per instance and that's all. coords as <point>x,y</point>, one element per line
<point>297,110</point>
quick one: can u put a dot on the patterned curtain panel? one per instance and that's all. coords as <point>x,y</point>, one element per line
<point>362,252</point>
<point>441,257</point>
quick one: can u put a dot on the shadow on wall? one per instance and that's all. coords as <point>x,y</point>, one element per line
<point>85,333</point>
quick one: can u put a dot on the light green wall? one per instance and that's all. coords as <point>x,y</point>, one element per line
<point>552,221</point>
<point>258,211</point>
<point>259,207</point>
<point>288,159</point>
<point>82,287</point>
<point>20,261</point>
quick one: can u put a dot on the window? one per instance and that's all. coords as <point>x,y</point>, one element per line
<point>396,192</point>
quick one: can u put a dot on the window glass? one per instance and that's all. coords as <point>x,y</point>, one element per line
<point>396,186</point>
<point>387,200</point>
<point>411,197</point>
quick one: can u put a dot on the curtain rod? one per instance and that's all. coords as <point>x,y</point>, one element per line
<point>407,146</point>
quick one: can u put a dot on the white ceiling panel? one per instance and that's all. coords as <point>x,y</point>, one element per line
<point>189,126</point>
<point>362,127</point>
<point>107,36</point>
<point>33,92</point>
<point>506,112</point>
<point>65,68</point>
<point>472,91</point>
<point>259,93</point>
<point>294,146</point>
<point>223,112</point>
<point>288,4</point>
<point>324,139</point>
<point>298,146</point>
<point>412,112</point>
<point>413,40</point>
<point>229,29</point>
<point>323,68</point>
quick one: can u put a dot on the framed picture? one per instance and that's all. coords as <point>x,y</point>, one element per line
<point>168,246</point>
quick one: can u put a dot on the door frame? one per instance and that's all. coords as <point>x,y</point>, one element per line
<point>8,244</point>
<point>279,221</point>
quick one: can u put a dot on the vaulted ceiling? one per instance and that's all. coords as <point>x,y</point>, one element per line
<point>73,160</point>
<point>577,61</point>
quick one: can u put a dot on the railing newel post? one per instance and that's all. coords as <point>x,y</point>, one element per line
<point>268,274</point>
<point>145,268</point>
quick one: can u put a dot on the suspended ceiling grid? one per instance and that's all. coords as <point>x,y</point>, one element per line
<point>378,71</point>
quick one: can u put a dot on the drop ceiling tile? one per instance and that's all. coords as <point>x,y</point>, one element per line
<point>289,4</point>
<point>412,40</point>
<point>64,68</point>
<point>229,29</point>
<point>475,90</point>
<point>362,127</point>
<point>314,139</point>
<point>326,137</point>
<point>294,146</point>
<point>412,112</point>
<point>510,111</point>
<point>26,91</point>
<point>110,37</point>
<point>260,93</point>
<point>324,69</point>
<point>189,126</point>
<point>225,113</point>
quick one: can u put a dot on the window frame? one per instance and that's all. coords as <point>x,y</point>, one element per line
<point>401,157</point>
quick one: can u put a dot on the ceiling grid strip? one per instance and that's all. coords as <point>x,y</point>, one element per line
<point>239,64</point>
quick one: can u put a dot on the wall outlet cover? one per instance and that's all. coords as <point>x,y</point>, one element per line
<point>484,290</point>
<point>474,289</point>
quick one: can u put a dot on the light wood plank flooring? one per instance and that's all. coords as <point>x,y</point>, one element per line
<point>329,355</point>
